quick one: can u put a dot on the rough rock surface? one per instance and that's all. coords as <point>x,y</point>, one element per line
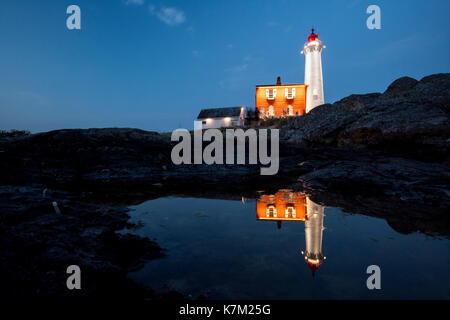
<point>411,119</point>
<point>380,154</point>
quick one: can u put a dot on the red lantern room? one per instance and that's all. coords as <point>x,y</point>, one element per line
<point>313,36</point>
<point>313,267</point>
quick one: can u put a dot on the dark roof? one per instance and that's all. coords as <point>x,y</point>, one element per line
<point>281,85</point>
<point>220,112</point>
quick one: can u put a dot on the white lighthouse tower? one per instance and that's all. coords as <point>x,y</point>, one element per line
<point>313,235</point>
<point>313,71</point>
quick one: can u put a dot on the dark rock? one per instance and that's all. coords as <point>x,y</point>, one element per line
<point>404,216</point>
<point>411,119</point>
<point>390,149</point>
<point>401,86</point>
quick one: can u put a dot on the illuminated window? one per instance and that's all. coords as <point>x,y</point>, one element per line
<point>315,94</point>
<point>262,112</point>
<point>290,212</point>
<point>289,93</point>
<point>290,110</point>
<point>271,211</point>
<point>271,111</point>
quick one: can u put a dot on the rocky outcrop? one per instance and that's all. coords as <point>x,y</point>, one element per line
<point>380,154</point>
<point>74,156</point>
<point>359,141</point>
<point>410,119</point>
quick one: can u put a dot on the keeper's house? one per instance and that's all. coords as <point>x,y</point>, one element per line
<point>222,117</point>
<point>279,100</point>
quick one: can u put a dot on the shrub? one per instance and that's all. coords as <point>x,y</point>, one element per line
<point>274,122</point>
<point>14,133</point>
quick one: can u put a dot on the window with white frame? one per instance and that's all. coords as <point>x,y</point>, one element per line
<point>271,111</point>
<point>289,93</point>
<point>290,110</point>
<point>271,211</point>
<point>290,212</point>
<point>271,94</point>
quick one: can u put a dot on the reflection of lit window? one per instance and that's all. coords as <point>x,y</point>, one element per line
<point>271,211</point>
<point>290,212</point>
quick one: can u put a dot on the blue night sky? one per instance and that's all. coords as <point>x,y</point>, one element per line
<point>155,64</point>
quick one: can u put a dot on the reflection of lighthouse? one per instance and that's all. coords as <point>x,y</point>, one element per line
<point>286,205</point>
<point>313,71</point>
<point>313,235</point>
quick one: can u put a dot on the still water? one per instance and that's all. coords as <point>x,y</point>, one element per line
<point>284,246</point>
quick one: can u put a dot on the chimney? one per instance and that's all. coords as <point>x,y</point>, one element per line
<point>279,81</point>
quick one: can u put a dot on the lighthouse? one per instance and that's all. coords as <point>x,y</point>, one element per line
<point>313,71</point>
<point>313,235</point>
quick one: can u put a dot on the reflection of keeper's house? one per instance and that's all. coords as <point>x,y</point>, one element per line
<point>286,205</point>
<point>283,205</point>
